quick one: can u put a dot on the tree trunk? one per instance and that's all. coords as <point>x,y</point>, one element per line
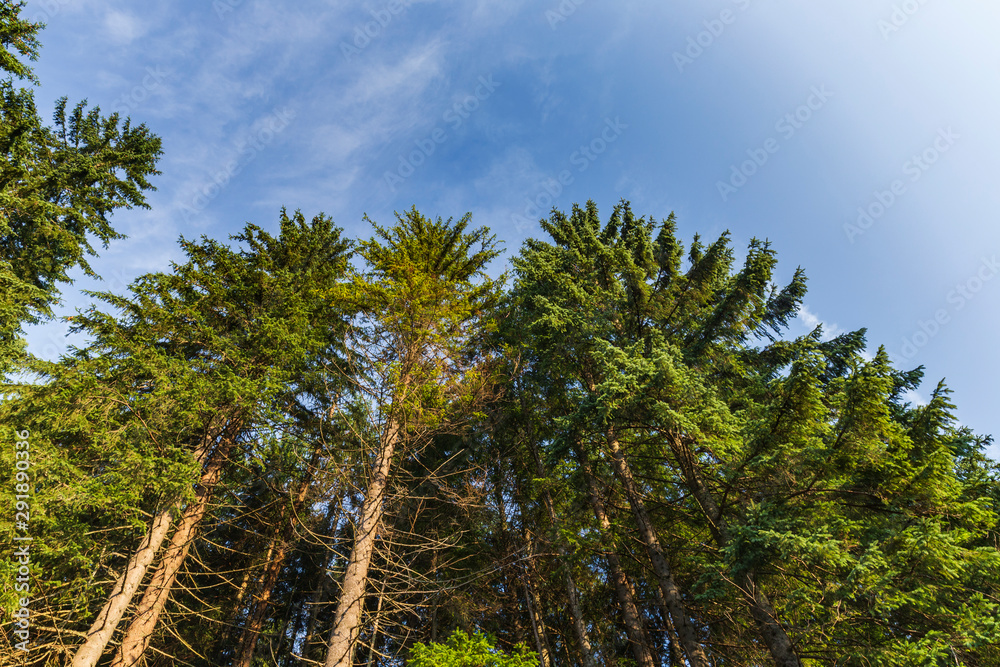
<point>121,594</point>
<point>572,593</point>
<point>223,641</point>
<point>318,598</point>
<point>373,645</point>
<point>775,638</point>
<point>247,644</point>
<point>332,526</point>
<point>630,612</point>
<point>671,594</point>
<point>674,652</point>
<point>434,604</point>
<point>535,607</point>
<point>573,597</point>
<point>579,625</point>
<point>154,599</point>
<point>347,620</point>
<point>537,624</point>
<point>275,562</point>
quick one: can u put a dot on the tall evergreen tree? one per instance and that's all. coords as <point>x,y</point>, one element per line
<point>625,460</point>
<point>193,365</point>
<point>676,381</point>
<point>425,301</point>
<point>59,186</point>
<point>268,315</point>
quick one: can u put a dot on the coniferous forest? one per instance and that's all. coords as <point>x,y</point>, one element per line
<point>299,448</point>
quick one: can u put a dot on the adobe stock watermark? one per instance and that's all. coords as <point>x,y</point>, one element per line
<point>364,33</point>
<point>562,11</point>
<point>247,151</point>
<point>22,539</point>
<point>49,8</point>
<point>223,7</point>
<point>900,16</point>
<point>915,168</point>
<point>551,187</point>
<point>116,282</point>
<point>957,299</point>
<point>455,116</point>
<point>787,126</point>
<point>55,346</point>
<point>714,27</point>
<point>129,101</point>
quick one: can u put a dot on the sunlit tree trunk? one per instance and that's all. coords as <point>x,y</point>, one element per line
<point>121,594</point>
<point>130,580</point>
<point>154,599</point>
<point>425,296</point>
<point>347,619</point>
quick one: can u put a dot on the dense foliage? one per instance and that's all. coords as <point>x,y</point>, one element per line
<point>461,650</point>
<point>296,448</point>
<point>617,459</point>
<point>59,185</point>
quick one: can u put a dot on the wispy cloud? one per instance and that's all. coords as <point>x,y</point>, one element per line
<point>811,321</point>
<point>123,27</point>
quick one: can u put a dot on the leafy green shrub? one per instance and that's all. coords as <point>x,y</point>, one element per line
<point>463,650</point>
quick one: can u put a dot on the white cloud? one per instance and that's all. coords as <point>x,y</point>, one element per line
<point>122,27</point>
<point>912,396</point>
<point>398,82</point>
<point>811,321</point>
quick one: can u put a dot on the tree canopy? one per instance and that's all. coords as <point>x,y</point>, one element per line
<point>298,448</point>
<point>621,457</point>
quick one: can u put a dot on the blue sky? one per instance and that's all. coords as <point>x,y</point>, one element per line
<point>859,137</point>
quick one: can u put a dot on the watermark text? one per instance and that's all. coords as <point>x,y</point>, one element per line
<point>22,539</point>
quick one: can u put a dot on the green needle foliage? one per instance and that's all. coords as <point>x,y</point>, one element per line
<point>425,304</point>
<point>59,186</point>
<point>228,346</point>
<point>789,469</point>
<point>623,458</point>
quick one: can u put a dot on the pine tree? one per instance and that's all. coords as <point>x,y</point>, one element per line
<point>263,327</point>
<point>575,294</point>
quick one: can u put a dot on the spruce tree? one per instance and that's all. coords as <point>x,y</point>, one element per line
<point>59,186</point>
<point>425,302</point>
<point>191,368</point>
